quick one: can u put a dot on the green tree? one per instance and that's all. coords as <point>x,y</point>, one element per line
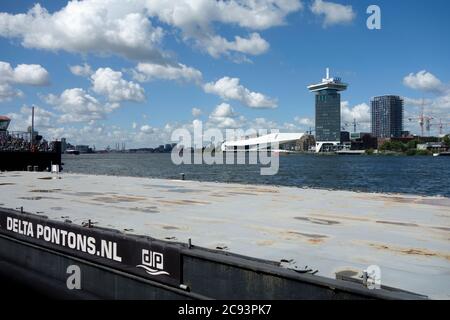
<point>423,153</point>
<point>395,146</point>
<point>385,146</point>
<point>446,140</point>
<point>412,144</point>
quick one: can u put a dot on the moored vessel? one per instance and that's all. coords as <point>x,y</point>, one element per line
<point>20,151</point>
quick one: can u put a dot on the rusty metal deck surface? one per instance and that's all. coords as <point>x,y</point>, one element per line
<point>331,231</point>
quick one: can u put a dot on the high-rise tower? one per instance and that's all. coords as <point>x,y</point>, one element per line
<point>387,116</point>
<point>328,111</point>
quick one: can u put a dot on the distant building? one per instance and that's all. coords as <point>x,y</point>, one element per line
<point>83,149</point>
<point>167,147</point>
<point>432,146</point>
<point>345,136</point>
<point>305,143</point>
<point>406,134</point>
<point>363,141</point>
<point>285,141</point>
<point>328,112</point>
<point>387,116</point>
<point>357,135</point>
<point>63,145</point>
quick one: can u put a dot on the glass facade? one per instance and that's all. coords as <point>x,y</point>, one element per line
<point>387,116</point>
<point>328,115</point>
<point>4,125</point>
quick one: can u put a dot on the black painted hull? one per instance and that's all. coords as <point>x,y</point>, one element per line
<point>193,272</point>
<point>19,161</point>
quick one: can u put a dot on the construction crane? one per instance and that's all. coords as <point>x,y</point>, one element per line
<point>354,124</point>
<point>423,120</point>
<point>440,125</point>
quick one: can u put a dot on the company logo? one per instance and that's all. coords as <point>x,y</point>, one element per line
<point>153,263</point>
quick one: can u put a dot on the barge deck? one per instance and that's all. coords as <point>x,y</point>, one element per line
<point>287,230</point>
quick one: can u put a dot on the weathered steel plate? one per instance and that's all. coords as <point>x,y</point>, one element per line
<point>408,237</point>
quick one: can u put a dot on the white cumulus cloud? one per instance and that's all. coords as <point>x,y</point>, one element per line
<point>110,83</point>
<point>125,28</point>
<point>196,112</point>
<point>423,80</point>
<point>253,45</point>
<point>437,106</point>
<point>223,116</point>
<point>31,74</point>
<point>360,113</point>
<point>263,123</point>
<point>8,93</point>
<point>334,13</point>
<point>303,121</point>
<point>196,21</point>
<point>28,74</point>
<point>84,70</point>
<point>24,74</point>
<point>147,129</point>
<point>229,88</point>
<point>223,110</point>
<point>21,120</point>
<point>76,105</point>
<point>150,71</point>
<point>90,26</point>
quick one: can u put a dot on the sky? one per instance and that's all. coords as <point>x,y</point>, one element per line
<point>102,72</point>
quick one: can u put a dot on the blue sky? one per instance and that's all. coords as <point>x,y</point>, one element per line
<point>262,75</point>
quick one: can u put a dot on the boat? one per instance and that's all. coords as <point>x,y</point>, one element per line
<point>442,154</point>
<point>123,251</point>
<point>72,151</point>
<point>350,152</point>
<point>24,151</point>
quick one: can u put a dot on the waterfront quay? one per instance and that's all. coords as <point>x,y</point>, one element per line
<point>298,235</point>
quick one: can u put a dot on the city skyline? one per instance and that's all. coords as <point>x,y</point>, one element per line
<point>102,72</point>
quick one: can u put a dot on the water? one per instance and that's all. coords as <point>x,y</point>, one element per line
<point>388,174</point>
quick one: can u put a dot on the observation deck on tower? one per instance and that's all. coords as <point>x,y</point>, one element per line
<point>329,84</point>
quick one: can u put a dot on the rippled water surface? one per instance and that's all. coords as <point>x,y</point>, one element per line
<point>393,174</point>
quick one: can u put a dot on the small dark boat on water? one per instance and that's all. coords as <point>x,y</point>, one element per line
<point>72,151</point>
<point>20,151</point>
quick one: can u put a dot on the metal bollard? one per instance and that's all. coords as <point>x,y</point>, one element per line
<point>182,176</point>
<point>36,168</point>
<point>30,168</point>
